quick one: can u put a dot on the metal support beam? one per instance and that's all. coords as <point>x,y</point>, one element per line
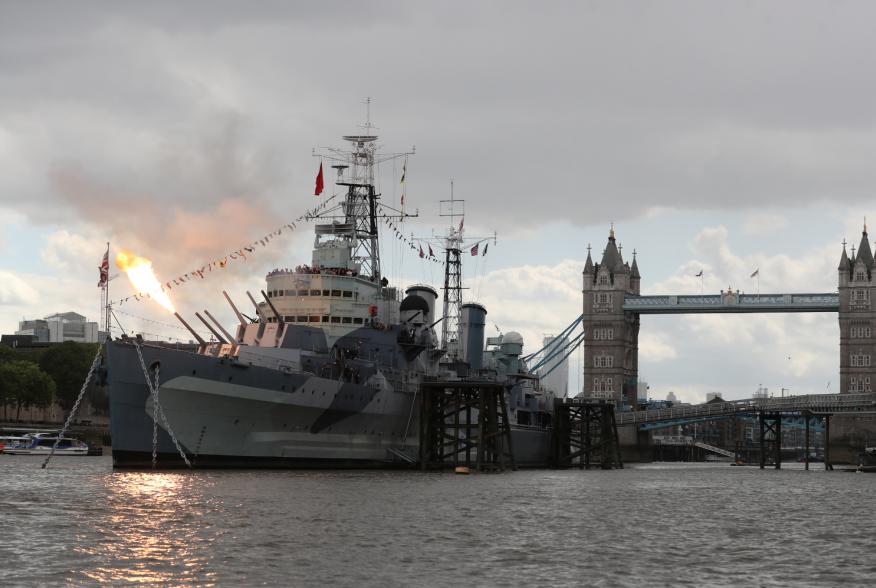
<point>446,441</point>
<point>827,463</point>
<point>585,434</point>
<point>770,433</point>
<point>808,418</point>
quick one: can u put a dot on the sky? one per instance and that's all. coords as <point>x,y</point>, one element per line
<point>720,136</point>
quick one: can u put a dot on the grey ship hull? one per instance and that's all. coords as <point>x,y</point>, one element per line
<point>227,414</point>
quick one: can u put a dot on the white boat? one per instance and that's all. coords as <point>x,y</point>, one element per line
<point>41,444</point>
<point>12,440</point>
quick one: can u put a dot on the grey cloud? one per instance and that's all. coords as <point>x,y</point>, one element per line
<point>586,111</point>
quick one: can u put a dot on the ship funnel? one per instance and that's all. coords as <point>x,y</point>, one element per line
<point>414,310</point>
<point>428,294</point>
<point>472,319</point>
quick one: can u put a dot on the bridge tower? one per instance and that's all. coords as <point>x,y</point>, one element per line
<point>857,318</point>
<point>611,343</point>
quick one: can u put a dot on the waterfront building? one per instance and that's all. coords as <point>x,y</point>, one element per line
<point>611,345</point>
<point>60,327</point>
<point>557,370</point>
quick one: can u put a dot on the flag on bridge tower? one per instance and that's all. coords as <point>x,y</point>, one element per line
<point>474,250</point>
<point>421,252</point>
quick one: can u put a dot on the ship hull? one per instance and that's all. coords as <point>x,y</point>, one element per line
<point>232,415</point>
<point>228,415</point>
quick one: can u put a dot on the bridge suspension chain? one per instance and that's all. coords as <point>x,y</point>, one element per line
<point>75,408</point>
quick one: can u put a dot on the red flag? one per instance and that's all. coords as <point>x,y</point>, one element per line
<point>474,250</point>
<point>421,252</point>
<point>319,183</point>
<point>430,252</point>
<point>104,270</point>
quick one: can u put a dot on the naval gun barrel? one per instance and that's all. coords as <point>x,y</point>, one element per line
<point>190,329</point>
<point>216,334</point>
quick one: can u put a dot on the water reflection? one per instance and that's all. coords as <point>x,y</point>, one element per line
<point>654,525</point>
<point>152,531</point>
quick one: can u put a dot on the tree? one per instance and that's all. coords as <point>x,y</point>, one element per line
<point>7,354</point>
<point>24,384</point>
<point>10,384</point>
<point>68,365</point>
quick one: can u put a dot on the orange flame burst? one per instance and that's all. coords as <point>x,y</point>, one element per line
<point>142,277</point>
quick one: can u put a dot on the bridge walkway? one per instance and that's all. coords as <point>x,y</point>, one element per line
<point>815,404</point>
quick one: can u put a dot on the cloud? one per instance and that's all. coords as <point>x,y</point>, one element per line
<point>655,347</point>
<point>14,290</point>
<point>812,271</point>
<point>764,223</point>
<point>187,107</point>
<point>65,251</point>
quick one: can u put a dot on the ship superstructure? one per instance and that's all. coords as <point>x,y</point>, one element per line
<point>328,374</point>
<point>342,289</point>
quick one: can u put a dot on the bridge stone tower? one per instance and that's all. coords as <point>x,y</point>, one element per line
<point>857,319</point>
<point>611,343</point>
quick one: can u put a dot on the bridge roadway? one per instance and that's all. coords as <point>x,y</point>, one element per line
<point>731,302</point>
<point>815,404</point>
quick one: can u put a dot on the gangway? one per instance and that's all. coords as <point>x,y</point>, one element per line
<point>713,449</point>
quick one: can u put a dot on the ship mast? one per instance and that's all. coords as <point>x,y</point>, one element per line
<point>356,171</point>
<point>452,269</point>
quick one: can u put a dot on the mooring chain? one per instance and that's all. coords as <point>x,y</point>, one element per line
<point>157,407</point>
<point>155,421</point>
<point>75,407</point>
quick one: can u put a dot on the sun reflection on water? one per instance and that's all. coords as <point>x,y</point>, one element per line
<point>154,531</point>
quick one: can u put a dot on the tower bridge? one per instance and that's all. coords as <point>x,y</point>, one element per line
<point>613,303</point>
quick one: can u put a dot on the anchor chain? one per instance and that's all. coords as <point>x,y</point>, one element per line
<point>155,421</point>
<point>73,410</point>
<point>157,408</point>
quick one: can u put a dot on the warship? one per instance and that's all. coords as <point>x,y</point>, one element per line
<point>329,371</point>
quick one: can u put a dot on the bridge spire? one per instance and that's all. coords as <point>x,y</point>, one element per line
<point>864,252</point>
<point>588,265</point>
<point>844,265</point>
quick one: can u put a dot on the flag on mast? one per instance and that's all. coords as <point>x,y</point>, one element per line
<point>700,275</point>
<point>402,182</point>
<point>756,273</point>
<point>430,252</point>
<point>319,182</point>
<point>474,250</point>
<point>104,270</point>
<point>461,222</point>
<point>487,246</point>
<point>421,252</point>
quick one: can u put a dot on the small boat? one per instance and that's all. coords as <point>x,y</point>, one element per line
<point>41,444</point>
<point>12,440</point>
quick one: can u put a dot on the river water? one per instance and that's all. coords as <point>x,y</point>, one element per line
<point>79,522</point>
